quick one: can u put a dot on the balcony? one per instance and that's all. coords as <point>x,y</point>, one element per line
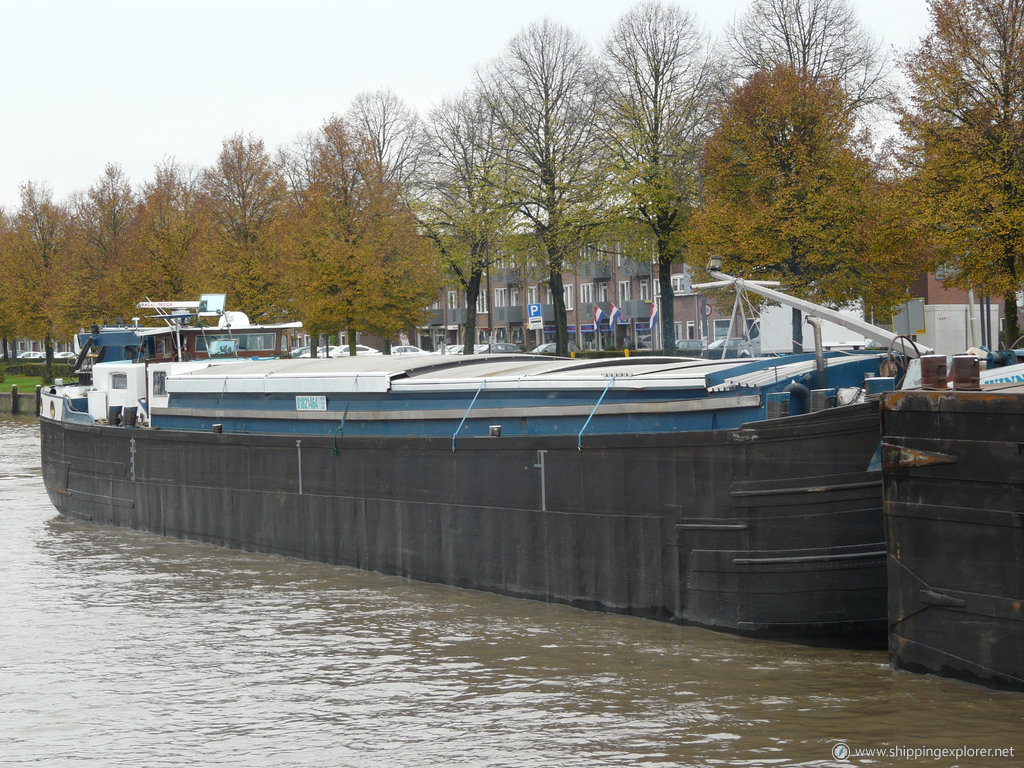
<point>637,309</point>
<point>508,276</point>
<point>596,270</point>
<point>508,314</point>
<point>640,268</point>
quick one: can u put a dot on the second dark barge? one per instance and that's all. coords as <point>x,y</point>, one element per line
<point>954,516</point>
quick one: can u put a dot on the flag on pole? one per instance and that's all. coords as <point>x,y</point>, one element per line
<point>616,314</point>
<point>598,317</point>
<point>654,314</point>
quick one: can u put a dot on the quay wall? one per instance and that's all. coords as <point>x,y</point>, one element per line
<point>26,403</point>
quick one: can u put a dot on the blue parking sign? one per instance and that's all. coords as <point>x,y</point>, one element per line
<point>534,317</point>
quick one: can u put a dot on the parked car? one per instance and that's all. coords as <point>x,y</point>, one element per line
<point>67,355</point>
<point>31,355</point>
<point>361,349</point>
<point>503,347</point>
<point>339,350</point>
<point>690,347</point>
<point>408,349</point>
<point>300,352</point>
<point>734,347</point>
<point>550,347</point>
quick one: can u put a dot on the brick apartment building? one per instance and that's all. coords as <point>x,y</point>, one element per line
<point>603,279</point>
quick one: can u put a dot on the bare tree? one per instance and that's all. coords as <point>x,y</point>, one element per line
<point>820,39</point>
<point>545,95</point>
<point>393,129</point>
<point>660,83</point>
<point>460,206</point>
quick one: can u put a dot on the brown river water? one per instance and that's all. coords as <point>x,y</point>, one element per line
<point>122,648</point>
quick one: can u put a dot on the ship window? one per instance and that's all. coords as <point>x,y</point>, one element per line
<point>159,382</point>
<point>119,381</point>
<point>228,344</point>
<point>223,346</point>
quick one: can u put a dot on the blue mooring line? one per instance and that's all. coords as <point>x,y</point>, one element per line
<point>579,438</point>
<point>467,413</point>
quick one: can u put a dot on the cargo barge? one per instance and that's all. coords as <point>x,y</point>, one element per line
<point>657,487</point>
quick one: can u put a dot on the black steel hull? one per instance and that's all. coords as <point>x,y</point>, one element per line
<point>773,530</point>
<point>954,515</point>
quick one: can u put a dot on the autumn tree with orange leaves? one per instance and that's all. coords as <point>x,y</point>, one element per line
<point>34,242</point>
<point>788,184</point>
<point>170,231</point>
<point>357,255</point>
<point>244,194</point>
<point>98,278</point>
<point>965,123</point>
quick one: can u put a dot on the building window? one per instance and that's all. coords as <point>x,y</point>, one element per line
<point>624,291</point>
<point>481,302</point>
<point>721,329</point>
<point>645,290</point>
<point>691,330</point>
<point>602,291</point>
<point>513,296</point>
<point>531,295</point>
<point>567,293</point>
<point>501,297</point>
<point>679,285</point>
<point>586,293</point>
<point>453,299</point>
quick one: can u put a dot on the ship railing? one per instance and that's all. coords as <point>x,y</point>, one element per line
<point>73,416</point>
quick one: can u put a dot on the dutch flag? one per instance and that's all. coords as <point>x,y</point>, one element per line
<point>598,316</point>
<point>654,314</point>
<point>616,314</point>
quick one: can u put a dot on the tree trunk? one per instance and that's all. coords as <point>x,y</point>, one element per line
<point>558,303</point>
<point>472,294</point>
<point>1011,333</point>
<point>48,370</point>
<point>668,304</point>
<point>1012,329</point>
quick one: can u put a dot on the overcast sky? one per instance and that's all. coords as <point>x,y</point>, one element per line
<point>91,82</point>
